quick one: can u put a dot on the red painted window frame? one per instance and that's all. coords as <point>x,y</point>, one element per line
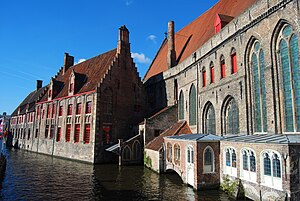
<point>204,78</point>
<point>87,133</point>
<point>233,63</point>
<point>212,74</point>
<point>70,109</point>
<point>223,69</point>
<point>77,133</point>
<point>58,135</point>
<point>68,132</point>
<point>78,108</point>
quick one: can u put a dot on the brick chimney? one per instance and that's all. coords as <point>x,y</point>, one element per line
<point>39,84</point>
<point>68,62</point>
<point>171,45</point>
<point>123,41</point>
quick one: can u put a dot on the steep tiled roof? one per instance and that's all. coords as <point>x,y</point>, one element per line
<point>31,100</point>
<point>90,72</point>
<point>181,127</point>
<point>265,139</point>
<point>194,35</point>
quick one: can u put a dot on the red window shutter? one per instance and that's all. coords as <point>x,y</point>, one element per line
<point>48,111</point>
<point>87,131</point>
<point>77,133</point>
<point>53,110</point>
<point>78,108</point>
<point>68,132</point>
<point>58,134</point>
<point>212,74</point>
<point>204,78</point>
<point>223,69</point>
<point>60,110</point>
<point>234,64</point>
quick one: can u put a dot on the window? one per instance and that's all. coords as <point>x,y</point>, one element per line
<point>28,134</point>
<point>88,109</point>
<point>181,106</point>
<point>208,165</point>
<point>190,155</point>
<point>136,149</point>
<point>78,109</point>
<point>230,161</point>
<point>258,80</point>
<point>87,131</point>
<point>36,133</point>
<point>248,165</point>
<point>107,101</point>
<point>233,61</point>
<point>61,109</point>
<point>177,154</point>
<point>231,117</point>
<point>48,111</point>
<point>223,67</point>
<point>203,77</point>
<point>70,109</point>
<point>210,119</point>
<point>68,132</point>
<point>192,105</point>
<point>212,73</point>
<point>53,110</point>
<point>126,153</point>
<point>271,162</point>
<point>58,134</point>
<point>77,133</point>
<point>46,131</point>
<point>169,152</point>
<point>289,63</point>
<point>51,131</point>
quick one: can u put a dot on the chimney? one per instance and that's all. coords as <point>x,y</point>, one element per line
<point>123,42</point>
<point>68,62</point>
<point>171,45</point>
<point>39,84</point>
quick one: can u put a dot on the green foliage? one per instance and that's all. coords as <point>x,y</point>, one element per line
<point>228,186</point>
<point>147,160</point>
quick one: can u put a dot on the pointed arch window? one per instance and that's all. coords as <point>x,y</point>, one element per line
<point>126,153</point>
<point>136,149</point>
<point>234,68</point>
<point>181,106</point>
<point>177,154</point>
<point>210,119</point>
<point>203,77</point>
<point>208,163</point>
<point>290,71</point>
<point>231,117</point>
<point>212,72</point>
<point>192,106</point>
<point>223,67</point>
<point>169,152</point>
<point>259,86</point>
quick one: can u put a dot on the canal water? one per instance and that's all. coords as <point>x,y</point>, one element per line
<point>31,176</point>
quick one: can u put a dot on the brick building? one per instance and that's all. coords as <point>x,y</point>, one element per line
<point>86,107</point>
<point>235,71</point>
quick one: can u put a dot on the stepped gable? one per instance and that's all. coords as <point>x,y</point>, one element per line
<point>31,99</point>
<point>91,72</point>
<point>194,35</point>
<point>181,127</point>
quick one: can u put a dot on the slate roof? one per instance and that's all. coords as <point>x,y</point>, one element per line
<point>178,128</point>
<point>196,137</point>
<point>31,99</point>
<point>194,35</point>
<point>90,73</point>
<point>265,138</point>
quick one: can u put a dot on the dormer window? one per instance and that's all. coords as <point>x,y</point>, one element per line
<point>221,21</point>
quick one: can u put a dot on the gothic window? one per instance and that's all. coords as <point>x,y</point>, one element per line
<point>208,165</point>
<point>136,151</point>
<point>258,80</point>
<point>203,77</point>
<point>169,152</point>
<point>210,119</point>
<point>231,117</point>
<point>233,61</point>
<point>290,70</point>
<point>177,154</point>
<point>126,153</point>
<point>192,106</point>
<point>181,106</point>
<point>212,72</point>
<point>223,67</point>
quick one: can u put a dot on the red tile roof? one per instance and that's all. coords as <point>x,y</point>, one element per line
<point>181,127</point>
<point>199,31</point>
<point>93,70</point>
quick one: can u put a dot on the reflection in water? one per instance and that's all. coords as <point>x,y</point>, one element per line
<point>31,176</point>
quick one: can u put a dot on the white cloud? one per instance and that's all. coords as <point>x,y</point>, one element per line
<point>152,38</point>
<point>80,60</point>
<point>140,58</point>
<point>128,2</point>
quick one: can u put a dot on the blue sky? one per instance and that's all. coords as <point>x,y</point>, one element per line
<point>35,34</point>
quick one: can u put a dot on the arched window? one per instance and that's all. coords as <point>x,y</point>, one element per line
<point>230,161</point>
<point>212,72</point>
<point>234,68</point>
<point>190,154</point>
<point>169,152</point>
<point>271,170</point>
<point>126,153</point>
<point>192,106</point>
<point>231,117</point>
<point>223,67</point>
<point>248,165</point>
<point>181,106</point>
<point>203,77</point>
<point>289,62</point>
<point>136,149</point>
<point>258,80</point>
<point>177,154</point>
<point>208,163</point>
<point>210,119</point>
